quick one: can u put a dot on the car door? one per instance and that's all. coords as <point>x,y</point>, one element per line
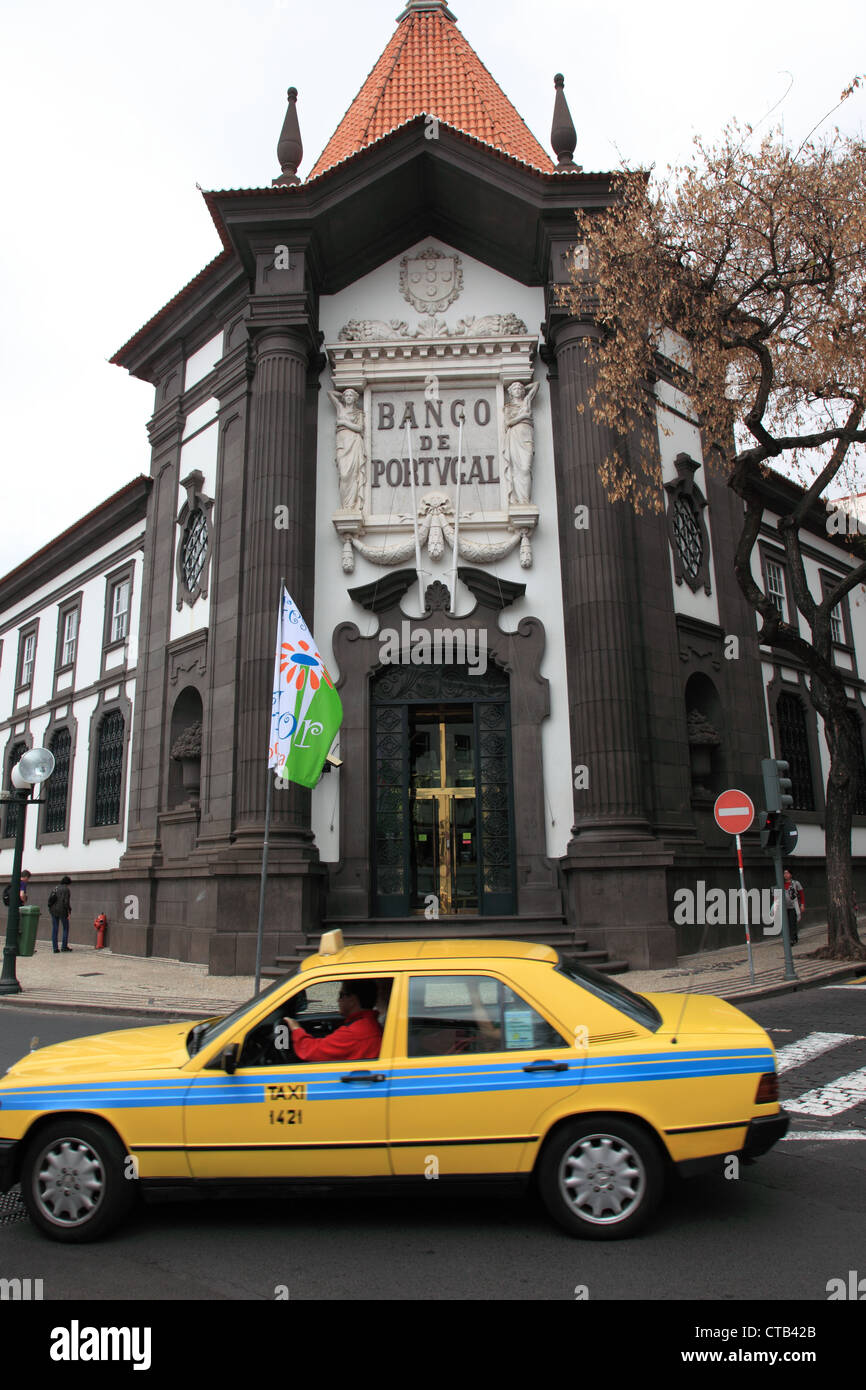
<point>472,1074</point>
<point>285,1118</point>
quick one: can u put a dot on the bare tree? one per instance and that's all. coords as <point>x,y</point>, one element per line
<point>745,272</point>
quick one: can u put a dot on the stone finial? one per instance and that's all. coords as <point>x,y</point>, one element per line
<point>413,5</point>
<point>290,150</point>
<point>563,136</point>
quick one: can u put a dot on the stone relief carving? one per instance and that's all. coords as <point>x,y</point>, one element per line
<point>435,530</point>
<point>380,331</point>
<point>351,449</point>
<point>375,357</point>
<point>519,442</point>
<point>431,281</point>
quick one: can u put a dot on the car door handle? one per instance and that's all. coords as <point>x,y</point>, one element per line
<point>546,1066</point>
<point>364,1076</point>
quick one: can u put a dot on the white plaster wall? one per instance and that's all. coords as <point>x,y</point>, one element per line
<point>485,291</point>
<point>679,436</point>
<point>48,597</point>
<point>76,858</point>
<point>101,854</point>
<point>199,451</point>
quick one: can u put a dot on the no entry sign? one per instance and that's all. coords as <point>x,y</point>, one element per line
<point>734,812</point>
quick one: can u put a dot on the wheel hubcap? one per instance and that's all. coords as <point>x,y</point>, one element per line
<point>69,1182</point>
<point>602,1179</point>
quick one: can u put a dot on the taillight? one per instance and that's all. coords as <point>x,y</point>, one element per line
<point>768,1088</point>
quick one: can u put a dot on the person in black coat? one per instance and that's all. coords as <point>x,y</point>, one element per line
<point>60,906</point>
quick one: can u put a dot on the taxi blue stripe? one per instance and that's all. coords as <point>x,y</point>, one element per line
<point>456,1078</point>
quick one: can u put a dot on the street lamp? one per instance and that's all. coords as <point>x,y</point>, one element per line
<point>34,768</point>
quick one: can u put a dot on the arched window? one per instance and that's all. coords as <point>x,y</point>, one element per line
<point>193,550</point>
<point>13,809</point>
<point>57,786</point>
<point>794,749</point>
<point>109,770</point>
<point>689,540</point>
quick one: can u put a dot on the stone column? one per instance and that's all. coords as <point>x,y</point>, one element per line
<point>600,607</point>
<point>275,478</point>
<point>614,869</point>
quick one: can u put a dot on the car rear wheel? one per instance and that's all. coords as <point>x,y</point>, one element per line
<point>74,1180</point>
<point>601,1178</point>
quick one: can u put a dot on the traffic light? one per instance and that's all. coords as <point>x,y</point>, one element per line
<point>770,829</point>
<point>777,784</point>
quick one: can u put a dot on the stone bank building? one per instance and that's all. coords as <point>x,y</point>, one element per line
<point>539,701</point>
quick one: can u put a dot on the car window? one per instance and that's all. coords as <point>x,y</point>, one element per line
<point>316,1007</point>
<point>466,1014</point>
<point>634,1006</point>
<point>227,1021</point>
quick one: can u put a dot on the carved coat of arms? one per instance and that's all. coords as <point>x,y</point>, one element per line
<point>431,281</point>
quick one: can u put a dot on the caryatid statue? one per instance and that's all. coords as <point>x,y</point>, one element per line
<point>519,441</point>
<point>351,450</point>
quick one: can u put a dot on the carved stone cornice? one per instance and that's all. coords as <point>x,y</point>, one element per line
<point>355,364</point>
<point>166,424</point>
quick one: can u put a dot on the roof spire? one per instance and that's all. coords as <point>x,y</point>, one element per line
<point>563,136</point>
<point>290,150</point>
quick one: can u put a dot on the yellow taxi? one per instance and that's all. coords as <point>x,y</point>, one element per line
<point>479,1061</point>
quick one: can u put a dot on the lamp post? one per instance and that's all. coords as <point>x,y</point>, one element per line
<point>34,768</point>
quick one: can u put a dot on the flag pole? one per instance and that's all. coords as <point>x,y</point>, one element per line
<point>457,515</point>
<point>261,926</point>
<point>260,930</point>
<point>415,519</point>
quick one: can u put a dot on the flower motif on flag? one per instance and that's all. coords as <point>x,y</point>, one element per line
<point>295,664</point>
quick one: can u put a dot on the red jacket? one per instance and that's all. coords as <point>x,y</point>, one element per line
<point>359,1037</point>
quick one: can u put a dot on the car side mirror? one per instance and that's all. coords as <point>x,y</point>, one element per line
<point>229,1058</point>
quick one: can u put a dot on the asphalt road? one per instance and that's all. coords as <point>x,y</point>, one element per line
<point>787,1226</point>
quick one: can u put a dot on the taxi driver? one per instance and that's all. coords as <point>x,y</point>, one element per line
<point>359,1035</point>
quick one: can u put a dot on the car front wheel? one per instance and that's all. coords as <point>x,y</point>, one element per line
<point>74,1180</point>
<point>601,1178</point>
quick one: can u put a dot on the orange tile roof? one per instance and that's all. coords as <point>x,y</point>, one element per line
<point>428,66</point>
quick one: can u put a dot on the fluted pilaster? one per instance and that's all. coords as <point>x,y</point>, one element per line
<point>599,610</point>
<point>275,479</point>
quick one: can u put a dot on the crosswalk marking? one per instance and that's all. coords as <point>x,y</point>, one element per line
<point>842,1094</point>
<point>822,1134</point>
<point>796,1053</point>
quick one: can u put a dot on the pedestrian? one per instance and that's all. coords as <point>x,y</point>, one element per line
<point>60,906</point>
<point>23,886</point>
<point>795,901</point>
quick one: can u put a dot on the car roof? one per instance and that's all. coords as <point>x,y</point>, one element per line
<point>405,953</point>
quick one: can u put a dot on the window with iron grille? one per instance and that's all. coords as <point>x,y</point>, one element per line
<point>109,770</point>
<point>57,786</point>
<point>776,586</point>
<point>794,749</point>
<point>13,808</point>
<point>687,533</point>
<point>70,637</point>
<point>120,611</point>
<point>194,549</point>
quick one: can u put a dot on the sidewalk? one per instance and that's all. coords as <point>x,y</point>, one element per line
<point>113,984</point>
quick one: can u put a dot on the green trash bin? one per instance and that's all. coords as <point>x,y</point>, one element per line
<point>28,925</point>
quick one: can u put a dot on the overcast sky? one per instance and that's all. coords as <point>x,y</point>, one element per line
<point>112,112</point>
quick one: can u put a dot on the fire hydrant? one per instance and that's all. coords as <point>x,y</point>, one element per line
<point>100,923</point>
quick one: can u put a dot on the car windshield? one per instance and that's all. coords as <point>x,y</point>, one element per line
<point>603,987</point>
<point>205,1032</point>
